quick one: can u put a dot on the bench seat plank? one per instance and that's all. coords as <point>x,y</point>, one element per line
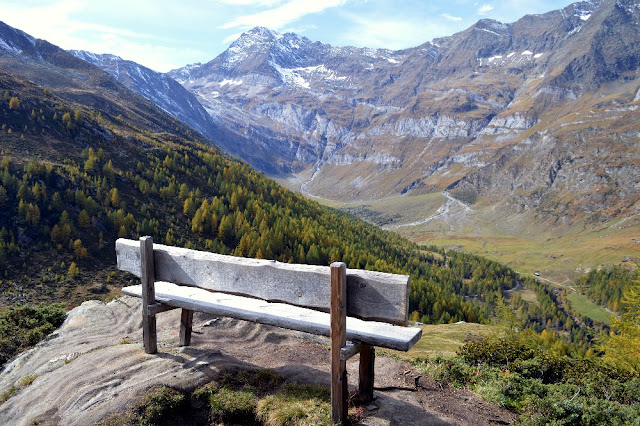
<point>280,315</point>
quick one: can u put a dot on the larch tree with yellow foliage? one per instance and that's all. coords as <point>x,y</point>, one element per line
<point>622,345</point>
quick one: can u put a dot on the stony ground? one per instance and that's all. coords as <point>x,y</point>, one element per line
<point>94,366</point>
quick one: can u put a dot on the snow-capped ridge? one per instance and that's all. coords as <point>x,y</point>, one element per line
<point>13,40</point>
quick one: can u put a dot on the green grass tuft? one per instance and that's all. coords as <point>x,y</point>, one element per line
<point>23,383</point>
<point>160,404</point>
<point>296,405</point>
<point>233,406</point>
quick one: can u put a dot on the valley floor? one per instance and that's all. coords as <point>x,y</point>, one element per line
<point>558,251</point>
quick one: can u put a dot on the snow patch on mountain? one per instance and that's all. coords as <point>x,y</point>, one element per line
<point>584,15</point>
<point>183,75</point>
<point>5,46</point>
<point>290,76</point>
<point>13,37</point>
<point>511,58</point>
<point>229,82</point>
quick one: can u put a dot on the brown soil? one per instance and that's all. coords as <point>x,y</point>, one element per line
<point>94,366</point>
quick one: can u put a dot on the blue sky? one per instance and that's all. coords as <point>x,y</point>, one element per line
<point>163,35</point>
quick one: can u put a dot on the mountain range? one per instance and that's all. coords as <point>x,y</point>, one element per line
<point>540,113</point>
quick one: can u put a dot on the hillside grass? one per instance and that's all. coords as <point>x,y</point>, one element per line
<point>582,305</point>
<point>443,340</point>
<point>523,242</point>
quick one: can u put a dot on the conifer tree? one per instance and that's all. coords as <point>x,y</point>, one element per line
<point>79,250</point>
<point>622,345</point>
<point>14,103</point>
<point>73,270</point>
<point>84,220</point>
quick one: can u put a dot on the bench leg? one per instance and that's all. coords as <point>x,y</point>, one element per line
<point>147,278</point>
<point>149,333</point>
<point>367,362</point>
<point>339,392</point>
<point>186,323</point>
<point>338,312</point>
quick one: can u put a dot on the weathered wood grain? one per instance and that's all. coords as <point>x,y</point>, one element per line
<point>186,324</point>
<point>338,320</point>
<point>370,295</point>
<point>280,315</point>
<point>147,277</point>
<point>350,350</point>
<point>158,308</point>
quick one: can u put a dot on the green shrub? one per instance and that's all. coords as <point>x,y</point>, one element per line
<point>160,404</point>
<point>233,406</point>
<point>22,326</point>
<point>453,371</point>
<point>496,352</point>
<point>518,373</point>
<point>547,367</point>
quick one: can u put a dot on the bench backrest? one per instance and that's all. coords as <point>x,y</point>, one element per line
<point>370,295</point>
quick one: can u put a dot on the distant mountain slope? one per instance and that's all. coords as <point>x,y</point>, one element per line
<point>166,93</point>
<point>541,113</point>
<point>157,87</point>
<point>73,79</point>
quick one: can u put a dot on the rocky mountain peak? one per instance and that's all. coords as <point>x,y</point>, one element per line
<point>95,58</point>
<point>261,45</point>
<point>358,115</point>
<point>255,39</point>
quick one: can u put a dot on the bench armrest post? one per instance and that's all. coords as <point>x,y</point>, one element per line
<point>338,314</point>
<point>148,278</point>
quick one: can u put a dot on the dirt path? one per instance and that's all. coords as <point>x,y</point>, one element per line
<point>94,366</point>
<point>443,213</point>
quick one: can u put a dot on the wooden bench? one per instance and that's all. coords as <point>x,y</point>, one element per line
<point>364,307</point>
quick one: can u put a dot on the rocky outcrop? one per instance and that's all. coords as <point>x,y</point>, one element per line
<point>94,366</point>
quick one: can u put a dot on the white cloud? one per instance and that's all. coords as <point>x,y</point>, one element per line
<point>59,23</point>
<point>266,3</point>
<point>233,37</point>
<point>300,30</point>
<point>392,32</point>
<point>283,15</point>
<point>484,9</point>
<point>451,17</point>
